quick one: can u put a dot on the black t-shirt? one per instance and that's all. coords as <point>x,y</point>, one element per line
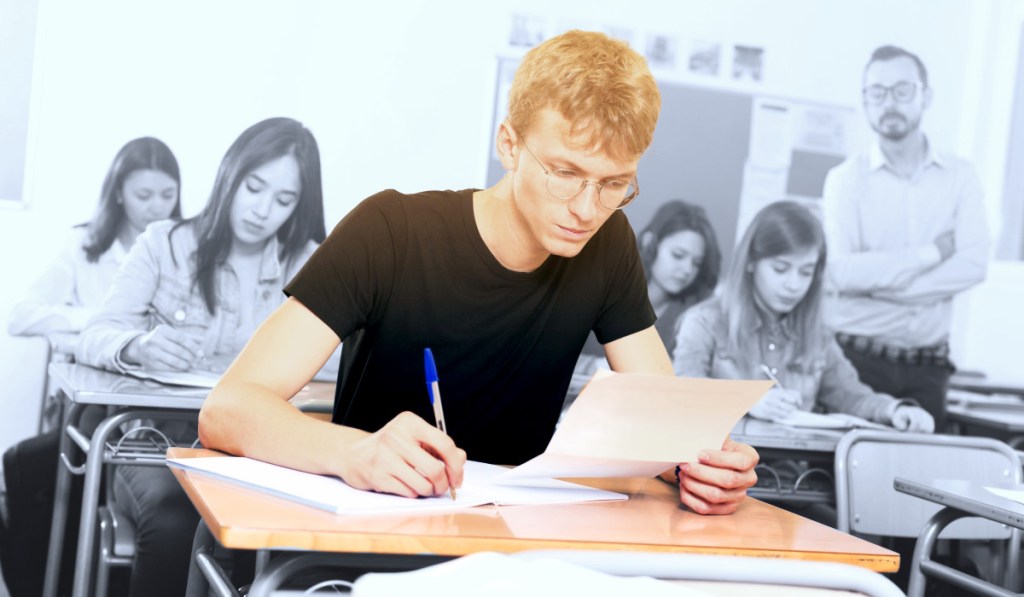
<point>401,273</point>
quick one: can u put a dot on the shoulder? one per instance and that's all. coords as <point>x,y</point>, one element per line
<point>164,237</point>
<point>708,314</point>
<point>75,240</point>
<point>955,163</point>
<point>399,209</point>
<point>391,200</point>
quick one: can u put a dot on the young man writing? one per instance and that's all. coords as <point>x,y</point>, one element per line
<point>503,284</point>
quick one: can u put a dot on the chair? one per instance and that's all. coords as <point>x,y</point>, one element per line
<point>867,461</point>
<point>735,574</point>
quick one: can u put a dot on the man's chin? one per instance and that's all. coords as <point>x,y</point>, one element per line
<point>566,249</point>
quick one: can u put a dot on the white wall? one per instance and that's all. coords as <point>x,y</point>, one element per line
<point>399,94</point>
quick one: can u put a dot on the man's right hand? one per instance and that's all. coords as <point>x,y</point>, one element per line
<point>946,243</point>
<point>407,457</point>
<point>163,349</point>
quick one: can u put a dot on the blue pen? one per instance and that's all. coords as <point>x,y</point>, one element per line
<point>434,391</point>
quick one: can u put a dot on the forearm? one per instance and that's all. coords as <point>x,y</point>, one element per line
<point>962,271</point>
<point>251,420</point>
<point>879,271</point>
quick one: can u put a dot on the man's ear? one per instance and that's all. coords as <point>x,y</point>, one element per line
<point>927,98</point>
<point>506,144</point>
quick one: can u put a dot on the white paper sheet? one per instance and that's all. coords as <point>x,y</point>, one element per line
<point>193,379</point>
<point>638,425</point>
<point>802,418</point>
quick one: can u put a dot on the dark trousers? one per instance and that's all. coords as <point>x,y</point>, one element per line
<point>927,384</point>
<point>165,523</point>
<point>30,468</point>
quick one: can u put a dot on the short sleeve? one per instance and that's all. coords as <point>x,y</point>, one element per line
<point>627,309</point>
<point>346,280</point>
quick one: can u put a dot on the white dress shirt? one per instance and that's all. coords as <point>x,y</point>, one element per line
<point>886,278</point>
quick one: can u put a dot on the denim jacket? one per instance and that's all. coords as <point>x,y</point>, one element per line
<point>827,382</point>
<point>154,285</point>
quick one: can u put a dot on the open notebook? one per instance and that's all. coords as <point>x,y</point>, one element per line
<point>802,418</point>
<point>331,493</point>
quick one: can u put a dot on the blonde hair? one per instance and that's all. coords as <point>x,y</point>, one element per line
<point>601,86</point>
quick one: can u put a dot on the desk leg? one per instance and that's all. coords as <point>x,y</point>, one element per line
<point>204,569</point>
<point>90,500</point>
<point>922,562</point>
<point>61,495</point>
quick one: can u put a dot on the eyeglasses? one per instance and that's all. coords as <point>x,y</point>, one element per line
<point>566,184</point>
<point>902,92</point>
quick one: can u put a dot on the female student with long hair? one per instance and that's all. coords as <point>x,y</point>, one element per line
<point>768,313</point>
<point>681,259</point>
<point>142,185</point>
<point>196,291</point>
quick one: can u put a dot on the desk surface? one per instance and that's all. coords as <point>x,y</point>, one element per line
<point>968,496</point>
<point>88,385</point>
<point>987,385</point>
<point>765,434</point>
<point>1003,417</point>
<point>650,520</point>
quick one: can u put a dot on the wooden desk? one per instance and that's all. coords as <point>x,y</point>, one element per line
<point>649,521</point>
<point>82,385</point>
<point>961,499</point>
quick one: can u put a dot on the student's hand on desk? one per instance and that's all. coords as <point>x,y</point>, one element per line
<point>913,418</point>
<point>776,404</point>
<point>407,457</point>
<point>718,482</point>
<point>164,349</point>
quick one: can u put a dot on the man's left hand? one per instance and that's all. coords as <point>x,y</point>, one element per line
<point>718,481</point>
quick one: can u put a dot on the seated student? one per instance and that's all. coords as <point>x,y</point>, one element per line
<point>503,284</point>
<point>197,290</point>
<point>681,259</point>
<point>142,185</point>
<point>768,313</point>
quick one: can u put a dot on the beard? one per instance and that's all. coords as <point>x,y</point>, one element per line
<point>895,126</point>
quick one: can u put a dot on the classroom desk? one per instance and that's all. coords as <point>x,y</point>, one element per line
<point>986,385</point>
<point>60,348</point>
<point>778,443</point>
<point>136,399</point>
<point>960,499</point>
<point>651,521</point>
<point>1003,420</point>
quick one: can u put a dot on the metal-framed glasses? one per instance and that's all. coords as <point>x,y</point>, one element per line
<point>565,184</point>
<point>902,92</point>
